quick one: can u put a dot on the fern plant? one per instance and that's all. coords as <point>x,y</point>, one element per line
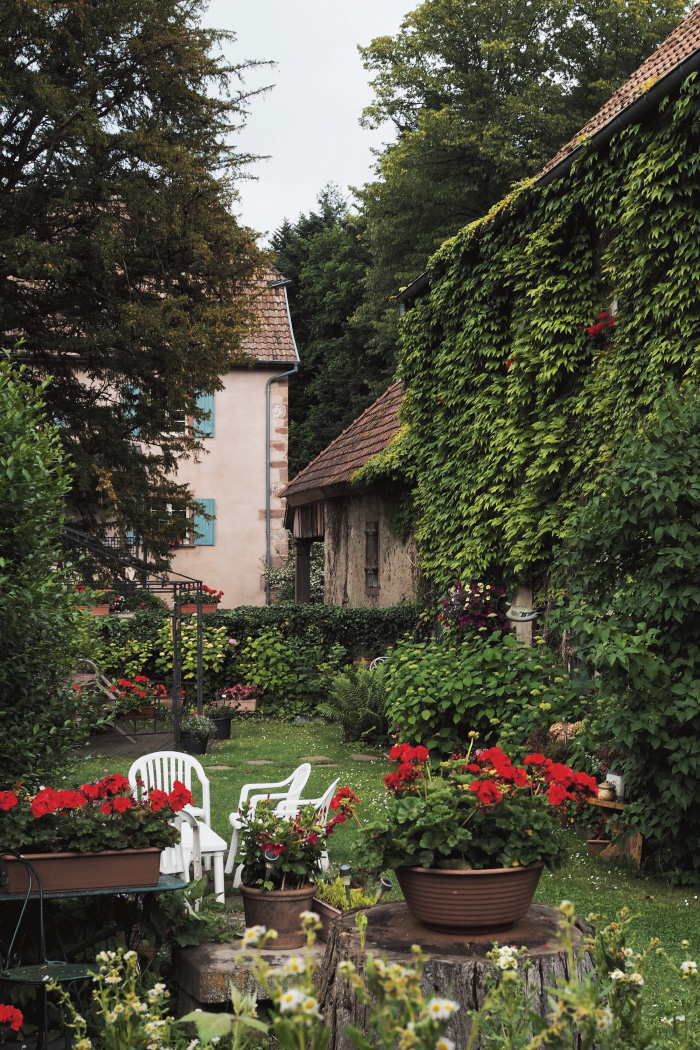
<point>357,700</point>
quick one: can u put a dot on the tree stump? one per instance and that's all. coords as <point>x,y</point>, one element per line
<point>457,966</point>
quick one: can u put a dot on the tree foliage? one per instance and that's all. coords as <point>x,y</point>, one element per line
<point>122,267</point>
<point>338,377</point>
<point>631,576</point>
<point>481,96</point>
<point>41,629</point>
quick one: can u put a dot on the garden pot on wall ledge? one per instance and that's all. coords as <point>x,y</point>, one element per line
<point>279,910</point>
<point>191,607</point>
<point>96,610</point>
<point>484,901</point>
<point>113,869</point>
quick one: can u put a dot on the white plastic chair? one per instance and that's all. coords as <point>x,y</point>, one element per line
<point>294,785</point>
<point>321,805</point>
<point>160,770</point>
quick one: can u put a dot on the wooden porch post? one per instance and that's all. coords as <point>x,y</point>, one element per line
<point>302,571</point>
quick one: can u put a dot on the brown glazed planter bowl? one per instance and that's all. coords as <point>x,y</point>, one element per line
<point>492,899</point>
<point>279,910</point>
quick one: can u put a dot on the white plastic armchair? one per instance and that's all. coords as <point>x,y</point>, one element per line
<point>161,769</point>
<point>284,791</point>
<point>185,854</point>
<point>321,805</point>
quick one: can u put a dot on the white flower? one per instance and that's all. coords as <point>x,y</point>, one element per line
<point>113,978</point>
<point>689,967</point>
<point>636,978</point>
<point>442,1009</point>
<point>130,955</point>
<point>310,1006</point>
<point>253,935</point>
<point>295,964</point>
<point>309,915</point>
<point>604,1018</point>
<point>290,999</point>
<point>192,1044</point>
<point>444,1044</point>
<point>667,1020</point>
<point>680,1017</point>
<point>627,952</point>
<point>617,975</point>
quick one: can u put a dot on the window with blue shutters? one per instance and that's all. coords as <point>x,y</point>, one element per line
<point>205,427</point>
<point>203,529</point>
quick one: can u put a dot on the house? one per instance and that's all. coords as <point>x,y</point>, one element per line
<point>239,476</point>
<point>542,334</point>
<point>366,563</point>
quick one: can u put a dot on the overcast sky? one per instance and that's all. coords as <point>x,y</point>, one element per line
<point>309,122</point>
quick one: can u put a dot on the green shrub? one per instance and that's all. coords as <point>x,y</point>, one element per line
<point>358,700</point>
<point>438,692</point>
<point>215,649</point>
<point>43,634</point>
<point>291,673</point>
<point>632,573</point>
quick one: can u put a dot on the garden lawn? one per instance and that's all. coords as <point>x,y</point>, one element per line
<point>592,885</point>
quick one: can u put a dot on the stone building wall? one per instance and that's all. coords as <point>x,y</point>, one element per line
<point>345,552</point>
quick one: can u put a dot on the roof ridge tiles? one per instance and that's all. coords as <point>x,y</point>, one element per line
<point>327,452</point>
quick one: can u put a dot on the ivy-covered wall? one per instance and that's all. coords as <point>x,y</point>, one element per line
<point>514,408</point>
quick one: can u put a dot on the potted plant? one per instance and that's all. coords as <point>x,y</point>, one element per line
<point>138,699</point>
<point>598,837</point>
<point>281,858</point>
<point>96,600</point>
<point>99,836</point>
<point>210,600</point>
<point>237,697</point>
<point>469,842</point>
<point>195,732</point>
<point>331,899</point>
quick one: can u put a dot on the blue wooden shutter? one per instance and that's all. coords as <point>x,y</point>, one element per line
<point>204,530</point>
<point>130,397</point>
<point>205,427</point>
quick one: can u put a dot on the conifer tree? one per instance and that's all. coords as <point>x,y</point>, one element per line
<point>123,271</point>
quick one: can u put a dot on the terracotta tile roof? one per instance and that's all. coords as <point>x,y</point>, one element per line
<point>368,434</point>
<point>274,340</point>
<point>676,48</point>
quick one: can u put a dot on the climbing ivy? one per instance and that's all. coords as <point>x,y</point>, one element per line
<point>514,407</point>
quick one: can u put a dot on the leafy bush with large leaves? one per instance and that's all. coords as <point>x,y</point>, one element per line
<point>633,573</point>
<point>42,632</point>
<point>438,693</point>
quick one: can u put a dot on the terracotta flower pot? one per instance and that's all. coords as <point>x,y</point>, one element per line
<point>596,846</point>
<point>191,607</point>
<point>491,899</point>
<point>279,910</point>
<point>326,913</point>
<point>96,610</point>
<point>107,870</point>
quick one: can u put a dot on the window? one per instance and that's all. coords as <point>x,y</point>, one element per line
<point>372,555</point>
<point>204,531</point>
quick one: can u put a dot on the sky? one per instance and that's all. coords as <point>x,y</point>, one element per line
<point>308,123</point>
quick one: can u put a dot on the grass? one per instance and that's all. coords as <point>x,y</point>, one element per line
<point>593,885</point>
